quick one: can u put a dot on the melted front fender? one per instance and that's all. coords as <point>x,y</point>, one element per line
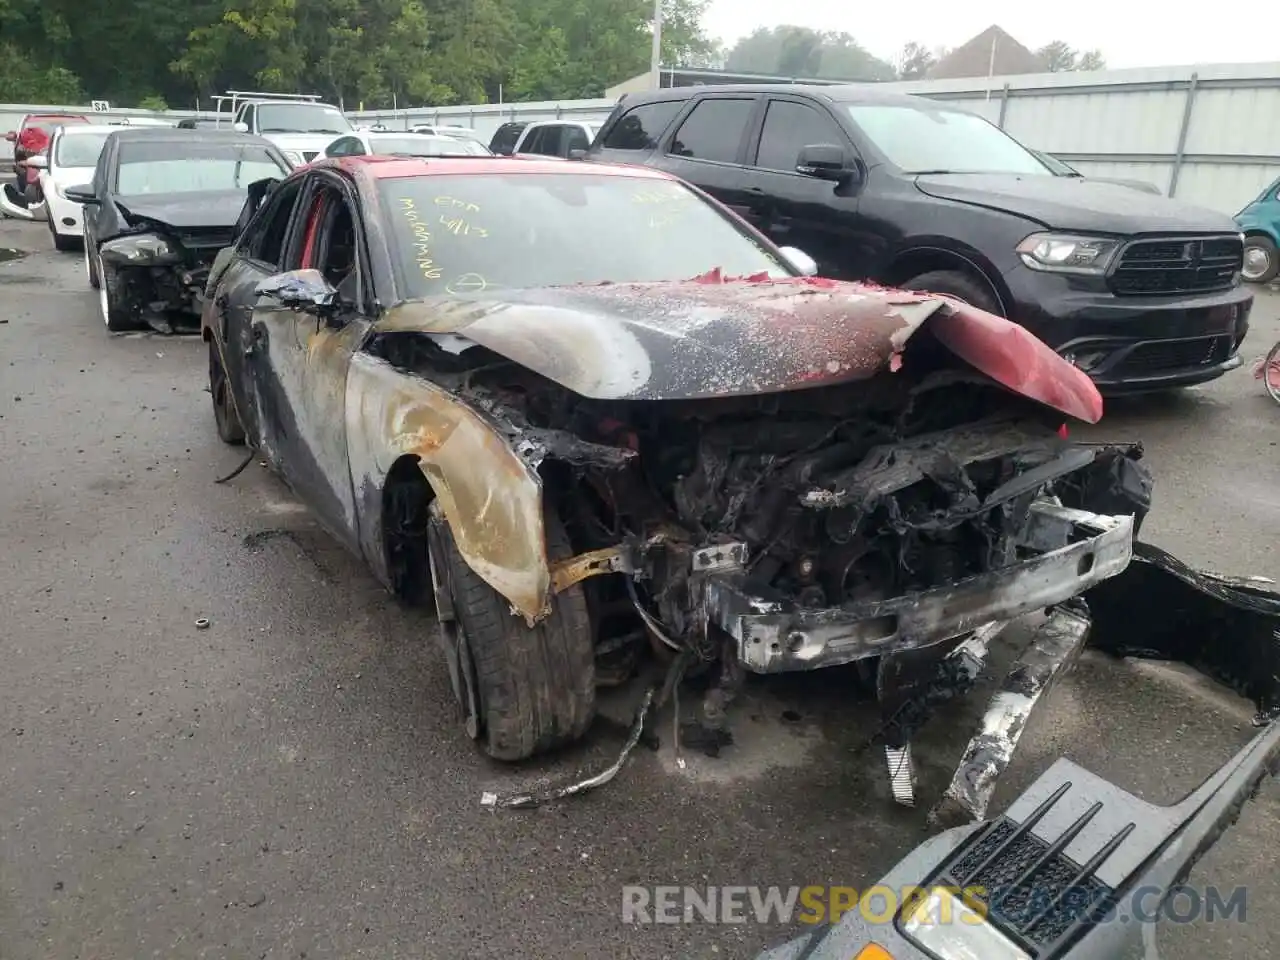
<point>491,498</point>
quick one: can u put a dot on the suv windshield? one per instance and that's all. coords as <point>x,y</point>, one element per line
<point>464,234</point>
<point>922,140</point>
<point>79,149</point>
<point>169,166</point>
<point>301,118</point>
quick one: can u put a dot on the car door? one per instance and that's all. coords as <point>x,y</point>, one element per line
<point>259,253</point>
<point>795,209</point>
<point>707,147</point>
<point>302,359</point>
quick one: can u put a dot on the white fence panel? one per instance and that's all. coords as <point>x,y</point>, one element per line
<point>1209,134</point>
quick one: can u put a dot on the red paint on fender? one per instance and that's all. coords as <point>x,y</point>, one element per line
<point>1012,356</point>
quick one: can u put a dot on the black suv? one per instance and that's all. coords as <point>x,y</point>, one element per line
<point>1140,291</point>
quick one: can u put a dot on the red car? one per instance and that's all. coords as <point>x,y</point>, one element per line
<point>31,138</point>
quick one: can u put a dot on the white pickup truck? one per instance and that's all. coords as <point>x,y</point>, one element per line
<point>300,125</point>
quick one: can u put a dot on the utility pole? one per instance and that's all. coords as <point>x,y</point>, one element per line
<point>655,62</point>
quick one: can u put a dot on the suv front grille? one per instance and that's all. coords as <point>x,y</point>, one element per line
<point>1160,356</point>
<point>309,155</point>
<point>1177,265</point>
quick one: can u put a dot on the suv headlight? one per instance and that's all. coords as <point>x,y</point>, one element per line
<point>1065,253</point>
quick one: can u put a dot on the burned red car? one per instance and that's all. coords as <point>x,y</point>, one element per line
<point>586,412</point>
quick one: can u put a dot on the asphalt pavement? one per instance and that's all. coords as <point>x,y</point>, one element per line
<point>292,782</point>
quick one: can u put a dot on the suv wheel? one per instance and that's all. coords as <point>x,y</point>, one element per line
<point>958,285</point>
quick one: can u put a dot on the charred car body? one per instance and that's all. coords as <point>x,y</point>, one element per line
<point>162,203</point>
<point>768,473</point>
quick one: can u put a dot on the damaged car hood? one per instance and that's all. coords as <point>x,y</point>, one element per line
<point>184,210</point>
<point>715,338</point>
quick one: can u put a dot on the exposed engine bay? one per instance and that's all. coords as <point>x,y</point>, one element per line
<point>162,271</point>
<point>883,521</point>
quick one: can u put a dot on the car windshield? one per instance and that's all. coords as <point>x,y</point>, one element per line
<point>301,118</point>
<point>79,149</point>
<point>174,166</point>
<point>419,145</point>
<point>924,140</point>
<point>463,234</point>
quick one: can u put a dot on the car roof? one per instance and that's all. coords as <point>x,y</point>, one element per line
<point>391,168</point>
<point>78,128</point>
<point>836,93</point>
<point>176,135</point>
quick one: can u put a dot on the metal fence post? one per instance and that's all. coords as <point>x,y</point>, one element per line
<point>1187,110</point>
<point>1004,106</point>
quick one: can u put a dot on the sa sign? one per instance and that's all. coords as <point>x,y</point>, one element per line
<point>101,106</point>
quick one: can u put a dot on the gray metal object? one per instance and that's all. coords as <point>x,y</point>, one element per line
<point>1055,646</point>
<point>1187,109</point>
<point>776,637</point>
<point>902,774</point>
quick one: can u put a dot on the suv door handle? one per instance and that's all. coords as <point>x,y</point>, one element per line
<point>755,191</point>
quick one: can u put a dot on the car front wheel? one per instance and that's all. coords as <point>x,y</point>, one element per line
<point>90,265</point>
<point>956,284</point>
<point>1261,262</point>
<point>230,430</point>
<point>524,690</point>
<point>112,302</point>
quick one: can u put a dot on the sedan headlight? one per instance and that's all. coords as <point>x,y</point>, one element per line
<point>1064,253</point>
<point>950,929</point>
<point>294,158</point>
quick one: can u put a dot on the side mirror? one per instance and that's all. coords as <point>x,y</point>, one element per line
<point>39,161</point>
<point>305,290</point>
<point>82,193</point>
<point>240,127</point>
<point>578,154</point>
<point>799,261</point>
<point>824,161</point>
<point>12,136</point>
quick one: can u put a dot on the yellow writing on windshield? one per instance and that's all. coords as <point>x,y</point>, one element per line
<point>455,203</point>
<point>422,254</point>
<point>461,228</point>
<point>468,283</point>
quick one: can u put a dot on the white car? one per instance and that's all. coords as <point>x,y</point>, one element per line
<point>555,138</point>
<point>364,142</point>
<point>436,130</point>
<point>70,162</point>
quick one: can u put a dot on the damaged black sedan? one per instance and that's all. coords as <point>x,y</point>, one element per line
<point>586,413</point>
<point>161,205</point>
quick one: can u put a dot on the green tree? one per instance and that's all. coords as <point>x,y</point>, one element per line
<point>1058,57</point>
<point>798,51</point>
<point>1091,60</point>
<point>915,62</point>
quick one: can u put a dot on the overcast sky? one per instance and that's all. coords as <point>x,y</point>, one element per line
<point>1130,33</point>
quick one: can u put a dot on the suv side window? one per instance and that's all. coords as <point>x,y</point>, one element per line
<point>789,127</point>
<point>504,140</point>
<point>640,127</point>
<point>545,141</point>
<point>713,131</point>
<point>248,116</point>
<point>577,139</point>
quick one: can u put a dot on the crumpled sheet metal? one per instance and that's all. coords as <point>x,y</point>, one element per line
<point>490,496</point>
<point>719,337</point>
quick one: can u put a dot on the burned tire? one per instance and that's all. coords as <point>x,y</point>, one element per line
<point>111,300</point>
<point>90,265</point>
<point>955,283</point>
<point>536,686</point>
<point>1261,260</point>
<point>230,430</point>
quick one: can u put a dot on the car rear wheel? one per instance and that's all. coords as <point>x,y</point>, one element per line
<point>1261,261</point>
<point>111,299</point>
<point>524,690</point>
<point>957,284</point>
<point>230,430</point>
<point>90,266</point>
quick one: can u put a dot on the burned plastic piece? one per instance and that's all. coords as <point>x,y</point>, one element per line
<point>1057,643</point>
<point>1229,627</point>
